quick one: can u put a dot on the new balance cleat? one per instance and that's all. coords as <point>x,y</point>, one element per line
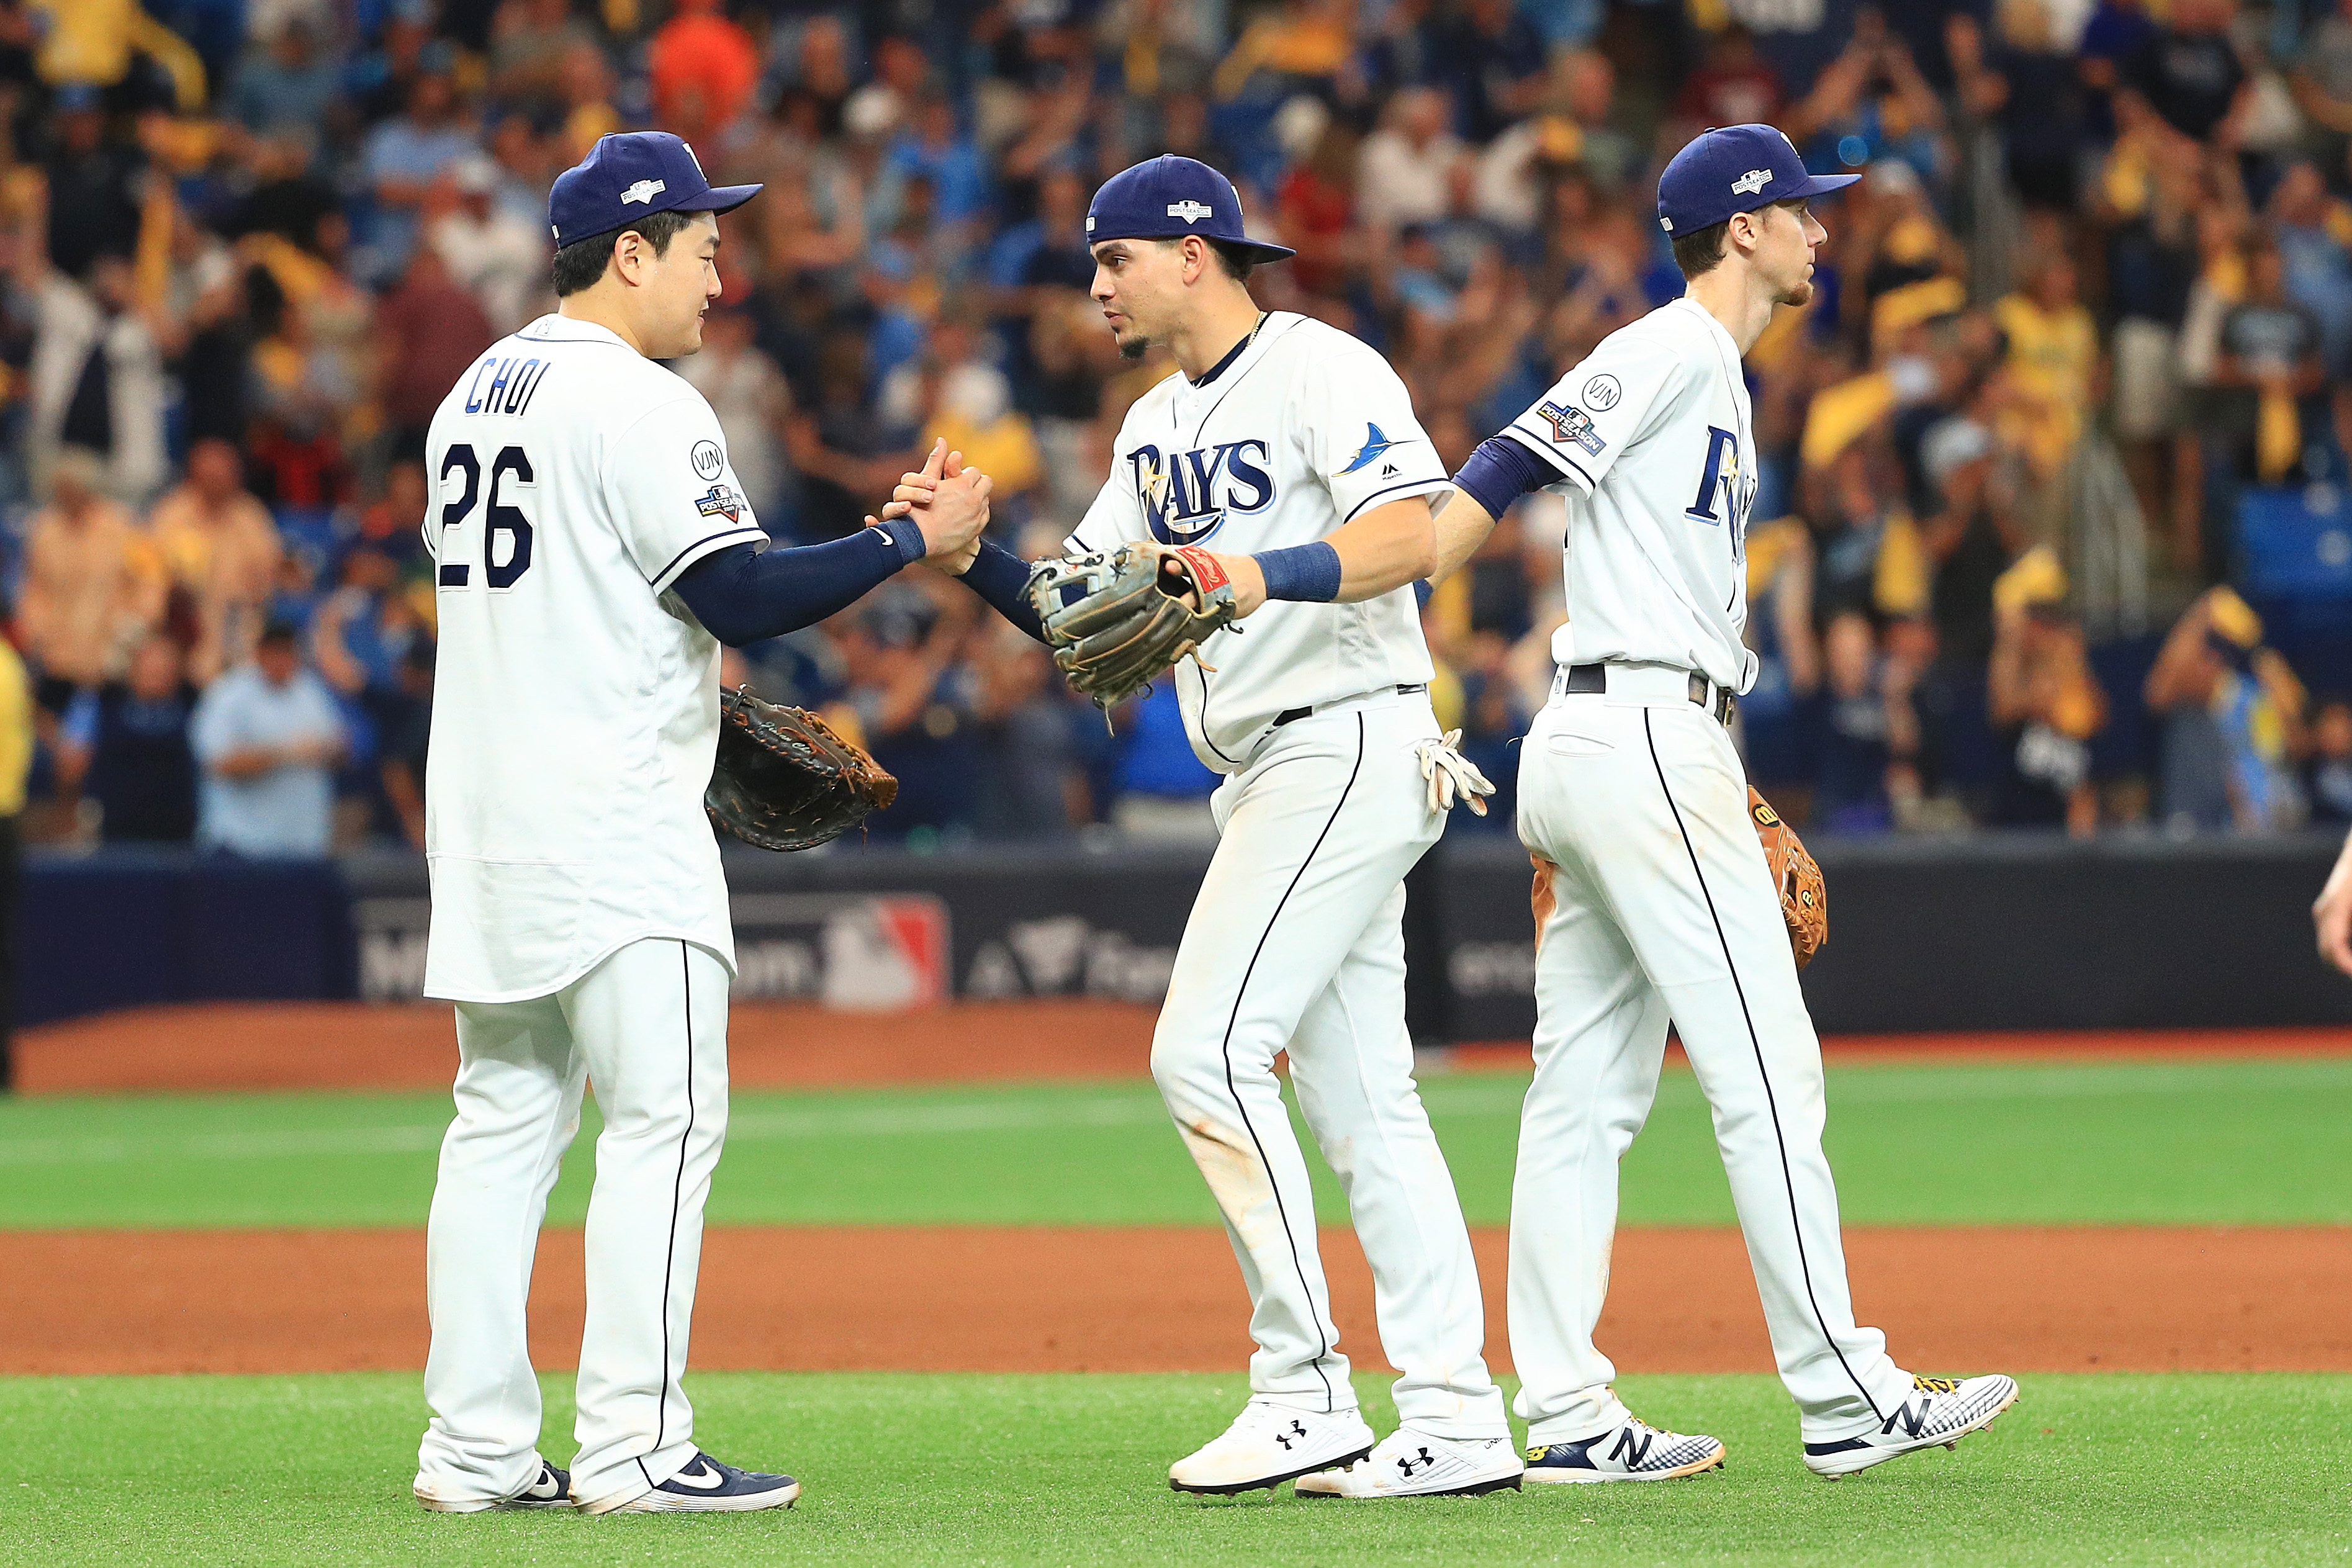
<point>1270,1444</point>
<point>1414,1464</point>
<point>1635,1451</point>
<point>1940,1410</point>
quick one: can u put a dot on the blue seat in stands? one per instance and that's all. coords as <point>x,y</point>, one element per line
<point>2295,542</point>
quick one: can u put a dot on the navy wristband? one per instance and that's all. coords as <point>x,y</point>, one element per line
<point>1502,470</point>
<point>1002,578</point>
<point>1307,572</point>
<point>902,532</point>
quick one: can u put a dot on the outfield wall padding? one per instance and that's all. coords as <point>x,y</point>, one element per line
<point>1994,931</point>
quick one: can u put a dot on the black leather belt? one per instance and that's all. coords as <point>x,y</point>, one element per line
<point>1593,680</point>
<point>1291,715</point>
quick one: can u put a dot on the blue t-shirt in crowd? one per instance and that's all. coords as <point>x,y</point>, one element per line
<point>290,810</point>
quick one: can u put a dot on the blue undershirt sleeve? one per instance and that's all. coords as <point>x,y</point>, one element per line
<point>741,595</point>
<point>1002,578</point>
<point>1502,470</point>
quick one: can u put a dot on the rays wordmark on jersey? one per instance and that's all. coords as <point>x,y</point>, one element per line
<point>1723,484</point>
<point>1186,495</point>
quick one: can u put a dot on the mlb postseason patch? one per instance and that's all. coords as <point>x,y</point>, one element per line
<point>1571,424</point>
<point>720,501</point>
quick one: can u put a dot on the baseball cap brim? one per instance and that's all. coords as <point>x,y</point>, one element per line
<point>1253,251</point>
<point>718,199</point>
<point>1814,185</point>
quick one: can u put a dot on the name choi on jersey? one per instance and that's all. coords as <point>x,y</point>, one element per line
<point>513,382</point>
<point>1186,495</point>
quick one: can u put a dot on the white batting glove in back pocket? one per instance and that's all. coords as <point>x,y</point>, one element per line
<point>1450,773</point>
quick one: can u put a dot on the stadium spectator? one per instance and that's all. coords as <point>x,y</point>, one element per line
<point>2091,242</point>
<point>268,739</point>
<point>125,746</point>
<point>2046,705</point>
<point>2327,776</point>
<point>703,68</point>
<point>88,591</point>
<point>220,554</point>
<point>2233,721</point>
<point>429,331</point>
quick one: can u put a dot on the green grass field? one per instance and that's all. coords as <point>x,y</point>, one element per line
<point>904,1469</point>
<point>1069,1468</point>
<point>2238,1141</point>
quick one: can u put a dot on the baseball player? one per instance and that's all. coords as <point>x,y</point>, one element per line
<point>1653,902</point>
<point>1292,449</point>
<point>593,549</point>
<point>2331,913</point>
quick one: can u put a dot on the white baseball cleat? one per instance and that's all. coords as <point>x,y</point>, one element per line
<point>1414,1464</point>
<point>1939,1411</point>
<point>1269,1443</point>
<point>1635,1451</point>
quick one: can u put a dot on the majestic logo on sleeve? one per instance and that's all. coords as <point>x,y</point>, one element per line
<point>1753,182</point>
<point>643,191</point>
<point>1190,212</point>
<point>720,501</point>
<point>1376,442</point>
<point>1570,424</point>
<point>1186,495</point>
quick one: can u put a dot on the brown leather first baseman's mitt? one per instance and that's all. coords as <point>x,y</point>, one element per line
<point>1804,902</point>
<point>784,779</point>
<point>1117,618</point>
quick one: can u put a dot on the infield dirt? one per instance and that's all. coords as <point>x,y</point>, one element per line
<point>1032,1299</point>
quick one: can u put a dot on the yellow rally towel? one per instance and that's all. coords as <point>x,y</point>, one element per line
<point>1839,414</point>
<point>2278,435</point>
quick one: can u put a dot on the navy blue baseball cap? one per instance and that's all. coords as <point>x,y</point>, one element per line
<point>1736,169</point>
<point>628,174</point>
<point>1169,197</point>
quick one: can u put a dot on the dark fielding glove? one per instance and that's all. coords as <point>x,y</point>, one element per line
<point>1116,618</point>
<point>784,779</point>
<point>1804,902</point>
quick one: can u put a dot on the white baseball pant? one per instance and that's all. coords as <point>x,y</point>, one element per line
<point>1662,909</point>
<point>648,1027</point>
<point>1295,942</point>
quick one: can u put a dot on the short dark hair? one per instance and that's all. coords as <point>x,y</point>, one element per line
<point>1701,251</point>
<point>1235,262</point>
<point>581,263</point>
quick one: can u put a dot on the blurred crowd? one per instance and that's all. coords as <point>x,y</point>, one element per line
<point>2049,527</point>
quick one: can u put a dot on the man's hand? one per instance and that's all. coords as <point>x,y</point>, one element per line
<point>2332,915</point>
<point>948,502</point>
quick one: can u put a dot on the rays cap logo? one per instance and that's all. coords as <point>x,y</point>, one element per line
<point>627,175</point>
<point>1731,169</point>
<point>1167,197</point>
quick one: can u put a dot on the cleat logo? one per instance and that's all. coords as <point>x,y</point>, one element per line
<point>1296,1427</point>
<point>1631,1452</point>
<point>701,1476</point>
<point>1410,1463</point>
<point>1910,1420</point>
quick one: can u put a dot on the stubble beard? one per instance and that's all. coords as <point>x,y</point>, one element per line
<point>1135,345</point>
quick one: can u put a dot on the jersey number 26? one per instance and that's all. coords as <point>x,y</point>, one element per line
<point>500,567</point>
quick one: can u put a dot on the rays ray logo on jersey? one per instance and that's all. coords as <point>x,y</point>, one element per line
<point>1186,495</point>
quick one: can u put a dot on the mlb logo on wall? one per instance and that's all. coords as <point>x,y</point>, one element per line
<point>859,952</point>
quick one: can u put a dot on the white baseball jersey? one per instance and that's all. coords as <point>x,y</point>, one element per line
<point>575,706</point>
<point>1301,431</point>
<point>1656,445</point>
